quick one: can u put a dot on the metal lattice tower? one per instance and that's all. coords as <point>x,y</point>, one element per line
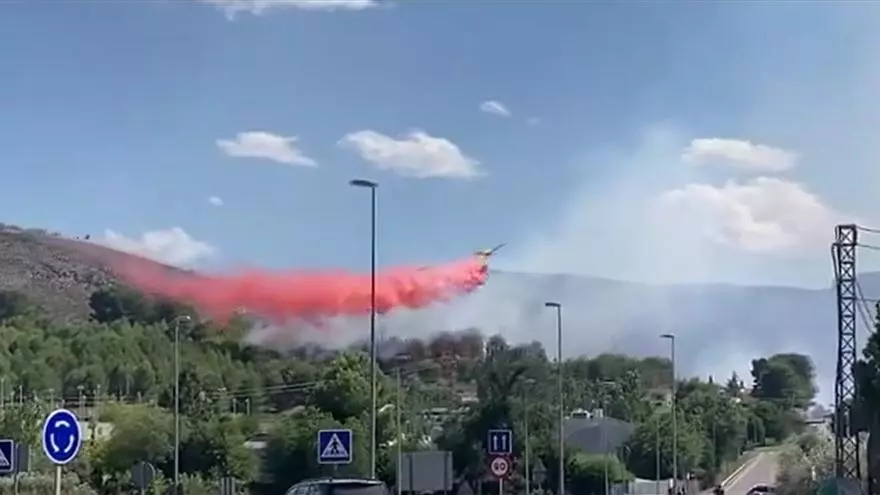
<point>847,464</point>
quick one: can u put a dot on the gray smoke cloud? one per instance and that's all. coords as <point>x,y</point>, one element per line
<point>682,271</point>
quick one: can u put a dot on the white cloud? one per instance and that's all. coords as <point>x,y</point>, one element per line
<point>760,215</point>
<point>259,7</point>
<point>739,153</point>
<point>259,144</point>
<point>215,200</point>
<point>172,246</point>
<point>416,154</point>
<point>495,108</point>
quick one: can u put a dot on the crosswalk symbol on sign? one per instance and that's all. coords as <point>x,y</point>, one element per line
<point>334,449</point>
<point>4,462</point>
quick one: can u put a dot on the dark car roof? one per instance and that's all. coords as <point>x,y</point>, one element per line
<point>333,481</point>
<point>345,484</point>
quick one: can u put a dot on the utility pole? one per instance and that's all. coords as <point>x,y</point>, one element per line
<point>176,323</point>
<point>603,425</point>
<point>846,442</point>
<point>559,368</point>
<point>399,434</point>
<point>528,449</point>
<point>604,444</point>
<point>671,338</point>
<point>398,408</point>
<point>657,453</point>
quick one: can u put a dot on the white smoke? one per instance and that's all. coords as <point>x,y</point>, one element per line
<point>815,103</point>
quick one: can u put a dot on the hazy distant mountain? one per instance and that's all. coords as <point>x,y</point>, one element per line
<point>719,328</point>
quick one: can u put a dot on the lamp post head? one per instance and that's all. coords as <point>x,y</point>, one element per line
<point>551,304</point>
<point>363,183</point>
<point>667,336</point>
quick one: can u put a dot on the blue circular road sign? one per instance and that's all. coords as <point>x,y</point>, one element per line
<point>61,437</point>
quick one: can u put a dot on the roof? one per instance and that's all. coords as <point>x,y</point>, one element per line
<point>334,481</point>
<point>597,435</point>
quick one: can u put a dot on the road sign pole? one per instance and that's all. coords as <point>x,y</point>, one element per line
<point>500,486</point>
<point>58,479</point>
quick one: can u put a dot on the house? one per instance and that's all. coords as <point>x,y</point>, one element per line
<point>594,433</point>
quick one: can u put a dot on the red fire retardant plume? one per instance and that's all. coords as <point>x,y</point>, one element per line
<point>308,294</point>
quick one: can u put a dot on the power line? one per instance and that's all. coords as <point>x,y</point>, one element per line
<point>242,393</point>
<point>92,396</point>
<point>863,310</point>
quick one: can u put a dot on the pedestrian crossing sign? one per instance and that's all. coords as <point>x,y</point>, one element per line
<point>334,447</point>
<point>7,456</point>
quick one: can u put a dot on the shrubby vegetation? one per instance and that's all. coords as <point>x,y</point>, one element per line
<point>118,368</point>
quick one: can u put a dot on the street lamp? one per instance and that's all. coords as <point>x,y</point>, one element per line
<point>558,307</point>
<point>372,187</point>
<point>529,382</point>
<point>176,323</point>
<point>671,338</point>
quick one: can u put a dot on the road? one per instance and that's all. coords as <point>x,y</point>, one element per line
<point>760,471</point>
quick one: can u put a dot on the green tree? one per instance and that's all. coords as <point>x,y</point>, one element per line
<point>722,421</point>
<point>657,431</point>
<point>586,473</point>
<point>22,422</point>
<point>787,379</point>
<point>867,405</point>
<point>290,450</point>
<point>140,434</point>
<point>216,447</point>
<point>344,390</point>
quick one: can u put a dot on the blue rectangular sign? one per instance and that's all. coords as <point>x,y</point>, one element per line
<point>334,447</point>
<point>500,442</point>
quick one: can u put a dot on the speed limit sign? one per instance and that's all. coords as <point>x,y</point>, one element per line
<point>499,466</point>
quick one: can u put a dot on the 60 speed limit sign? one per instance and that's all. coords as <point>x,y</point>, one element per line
<point>499,466</point>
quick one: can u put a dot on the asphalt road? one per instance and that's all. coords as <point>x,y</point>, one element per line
<point>760,471</point>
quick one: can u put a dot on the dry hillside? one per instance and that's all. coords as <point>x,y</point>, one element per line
<point>57,273</point>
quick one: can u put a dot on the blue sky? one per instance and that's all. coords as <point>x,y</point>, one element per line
<point>115,114</point>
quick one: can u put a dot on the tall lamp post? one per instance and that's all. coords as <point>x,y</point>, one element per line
<point>177,322</point>
<point>372,187</point>
<point>671,338</point>
<point>529,382</point>
<point>558,307</point>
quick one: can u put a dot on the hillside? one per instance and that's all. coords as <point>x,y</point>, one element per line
<point>720,327</point>
<point>57,273</point>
